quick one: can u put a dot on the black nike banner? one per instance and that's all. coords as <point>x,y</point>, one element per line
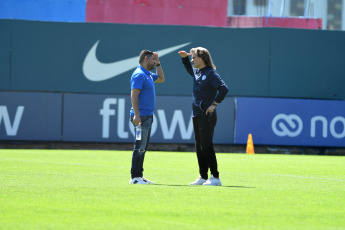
<point>100,58</point>
<point>5,54</point>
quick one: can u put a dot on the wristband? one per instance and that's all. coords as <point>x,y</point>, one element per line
<point>214,104</point>
<point>158,65</point>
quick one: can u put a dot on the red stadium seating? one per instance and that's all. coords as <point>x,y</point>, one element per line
<point>284,22</point>
<point>167,12</point>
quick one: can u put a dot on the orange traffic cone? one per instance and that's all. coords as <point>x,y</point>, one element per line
<point>250,145</point>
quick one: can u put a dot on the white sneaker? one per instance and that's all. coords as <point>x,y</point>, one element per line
<point>199,181</point>
<point>148,181</point>
<point>213,181</point>
<point>137,180</point>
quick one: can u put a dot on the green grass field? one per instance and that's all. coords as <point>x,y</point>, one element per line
<point>88,189</point>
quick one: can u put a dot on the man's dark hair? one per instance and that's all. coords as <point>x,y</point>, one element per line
<point>143,54</point>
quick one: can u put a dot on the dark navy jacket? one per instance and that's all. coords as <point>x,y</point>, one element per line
<point>206,84</point>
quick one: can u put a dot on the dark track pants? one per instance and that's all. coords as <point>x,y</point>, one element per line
<point>203,131</point>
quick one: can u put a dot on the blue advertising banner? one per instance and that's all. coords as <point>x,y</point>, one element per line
<point>47,10</point>
<point>105,118</point>
<point>30,116</point>
<point>293,122</point>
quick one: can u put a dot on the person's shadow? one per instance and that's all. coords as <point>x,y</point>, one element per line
<point>178,185</point>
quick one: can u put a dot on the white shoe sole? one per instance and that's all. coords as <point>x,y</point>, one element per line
<point>136,181</point>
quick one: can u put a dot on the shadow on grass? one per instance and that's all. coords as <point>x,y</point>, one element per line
<point>178,185</point>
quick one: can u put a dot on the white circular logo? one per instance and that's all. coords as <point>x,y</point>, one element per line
<point>287,125</point>
<point>203,77</point>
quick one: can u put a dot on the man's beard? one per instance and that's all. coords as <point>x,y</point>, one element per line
<point>151,67</point>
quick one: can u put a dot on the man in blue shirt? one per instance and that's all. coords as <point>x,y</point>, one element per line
<point>143,105</point>
<point>208,91</point>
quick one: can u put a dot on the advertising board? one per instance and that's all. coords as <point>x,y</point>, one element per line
<point>293,122</point>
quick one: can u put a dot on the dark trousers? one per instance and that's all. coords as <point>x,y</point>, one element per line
<point>140,146</point>
<point>203,131</point>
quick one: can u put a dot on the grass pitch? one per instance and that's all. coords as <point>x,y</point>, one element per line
<point>79,189</point>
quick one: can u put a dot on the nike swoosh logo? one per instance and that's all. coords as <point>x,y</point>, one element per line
<point>94,70</point>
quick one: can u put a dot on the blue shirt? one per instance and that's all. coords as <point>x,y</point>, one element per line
<point>144,80</point>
